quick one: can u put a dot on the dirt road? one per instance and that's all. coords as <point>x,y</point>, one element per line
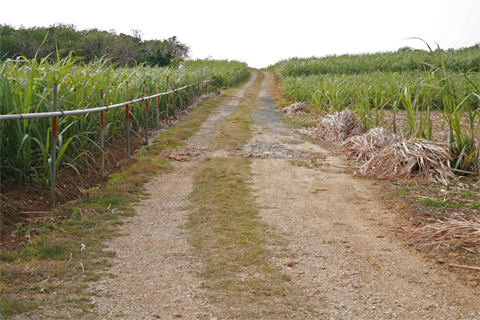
<point>349,262</point>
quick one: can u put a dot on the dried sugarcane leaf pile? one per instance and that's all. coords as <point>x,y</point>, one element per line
<point>450,232</point>
<point>416,159</point>
<point>212,95</point>
<point>295,109</point>
<point>336,127</point>
<point>364,147</point>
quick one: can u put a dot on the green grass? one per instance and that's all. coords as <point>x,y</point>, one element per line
<point>26,86</point>
<point>235,245</point>
<point>439,203</point>
<point>10,306</point>
<point>227,232</point>
<point>57,253</point>
<point>402,60</point>
<point>414,83</point>
<point>235,129</point>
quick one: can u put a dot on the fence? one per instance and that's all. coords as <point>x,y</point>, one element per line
<point>205,84</point>
<point>235,72</point>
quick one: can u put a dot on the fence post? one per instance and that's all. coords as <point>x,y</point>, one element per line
<point>146,115</point>
<point>102,134</point>
<point>213,82</point>
<point>174,104</point>
<point>127,123</point>
<point>54,142</point>
<point>193,90</point>
<point>181,101</point>
<point>168,96</point>
<point>158,107</point>
<point>186,91</point>
<point>198,87</point>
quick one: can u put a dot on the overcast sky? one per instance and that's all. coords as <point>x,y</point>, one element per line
<point>262,32</point>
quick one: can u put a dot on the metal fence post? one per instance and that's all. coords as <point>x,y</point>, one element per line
<point>181,101</point>
<point>158,107</point>
<point>54,143</point>
<point>168,96</point>
<point>193,90</point>
<point>213,83</point>
<point>174,104</point>
<point>146,114</point>
<point>198,87</point>
<point>102,134</point>
<point>186,91</point>
<point>127,123</point>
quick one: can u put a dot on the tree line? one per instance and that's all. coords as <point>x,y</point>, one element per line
<point>88,45</point>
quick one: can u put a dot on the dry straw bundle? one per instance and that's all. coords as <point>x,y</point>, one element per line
<point>415,159</point>
<point>295,109</point>
<point>450,232</point>
<point>364,147</point>
<point>337,127</point>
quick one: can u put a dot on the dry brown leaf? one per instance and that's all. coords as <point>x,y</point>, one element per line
<point>449,232</point>
<point>295,109</point>
<point>336,127</point>
<point>364,147</point>
<point>416,159</point>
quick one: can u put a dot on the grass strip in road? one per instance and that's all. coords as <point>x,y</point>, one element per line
<point>236,246</point>
<point>52,270</point>
<point>235,130</point>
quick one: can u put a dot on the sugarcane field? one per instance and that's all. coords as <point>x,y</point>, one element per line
<point>145,184</point>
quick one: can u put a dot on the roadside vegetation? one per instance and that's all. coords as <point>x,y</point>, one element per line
<point>433,91</point>
<point>26,86</point>
<point>54,268</point>
<point>418,96</point>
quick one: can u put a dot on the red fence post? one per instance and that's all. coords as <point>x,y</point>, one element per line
<point>146,114</point>
<point>181,101</point>
<point>174,104</point>
<point>193,90</point>
<point>127,111</point>
<point>158,107</point>
<point>198,87</point>
<point>54,143</point>
<point>168,96</point>
<point>102,134</point>
<point>186,91</point>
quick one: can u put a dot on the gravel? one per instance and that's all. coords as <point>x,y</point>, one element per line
<point>269,150</point>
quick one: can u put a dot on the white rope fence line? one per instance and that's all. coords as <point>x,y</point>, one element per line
<point>228,75</point>
<point>40,115</point>
<point>56,114</point>
<point>237,71</point>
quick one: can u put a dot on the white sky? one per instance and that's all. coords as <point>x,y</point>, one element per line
<point>262,32</point>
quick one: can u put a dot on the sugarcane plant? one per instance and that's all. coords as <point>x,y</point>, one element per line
<point>26,86</point>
